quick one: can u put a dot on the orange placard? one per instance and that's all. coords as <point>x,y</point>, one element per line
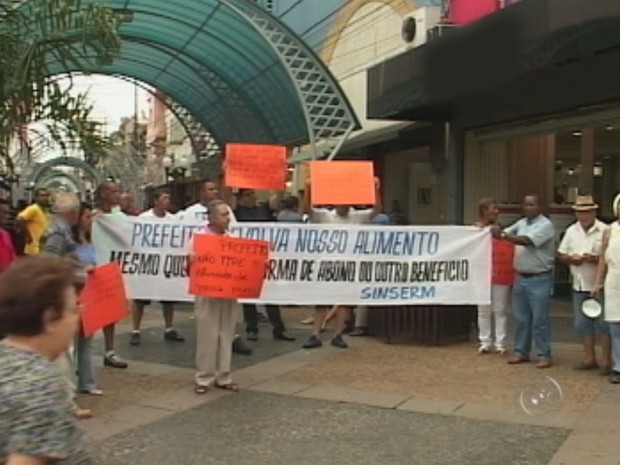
<point>251,166</point>
<point>503,263</point>
<point>228,267</point>
<point>342,183</point>
<point>103,298</point>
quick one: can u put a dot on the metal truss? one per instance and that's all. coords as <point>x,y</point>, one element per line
<point>328,114</point>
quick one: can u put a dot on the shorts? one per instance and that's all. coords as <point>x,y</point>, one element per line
<point>584,325</point>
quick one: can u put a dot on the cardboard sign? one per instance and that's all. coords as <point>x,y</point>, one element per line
<point>342,183</point>
<point>250,166</point>
<point>503,263</point>
<point>227,267</point>
<point>103,298</point>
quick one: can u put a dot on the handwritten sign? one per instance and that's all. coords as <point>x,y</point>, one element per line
<point>503,266</point>
<point>228,267</point>
<point>342,183</point>
<point>103,298</point>
<point>251,166</point>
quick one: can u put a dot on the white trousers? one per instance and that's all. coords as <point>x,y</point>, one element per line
<point>215,330</point>
<point>494,314</point>
<point>361,316</point>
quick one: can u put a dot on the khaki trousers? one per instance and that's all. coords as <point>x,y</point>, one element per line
<point>215,330</point>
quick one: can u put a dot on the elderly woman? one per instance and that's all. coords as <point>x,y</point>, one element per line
<point>39,315</point>
<point>215,321</point>
<point>608,277</point>
<point>58,240</point>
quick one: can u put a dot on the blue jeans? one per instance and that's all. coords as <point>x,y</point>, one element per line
<point>584,325</point>
<point>530,303</point>
<point>84,358</point>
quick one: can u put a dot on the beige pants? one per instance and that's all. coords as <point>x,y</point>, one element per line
<point>215,330</point>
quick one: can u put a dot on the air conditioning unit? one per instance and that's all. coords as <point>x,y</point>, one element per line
<point>440,30</point>
<point>416,25</point>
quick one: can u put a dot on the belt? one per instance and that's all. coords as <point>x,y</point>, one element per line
<point>531,275</point>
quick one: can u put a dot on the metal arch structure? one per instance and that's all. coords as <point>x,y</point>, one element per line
<point>258,82</point>
<point>197,133</point>
<point>54,175</point>
<point>40,169</point>
<point>127,167</point>
<point>327,111</point>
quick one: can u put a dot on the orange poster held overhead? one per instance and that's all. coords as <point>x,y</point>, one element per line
<point>503,263</point>
<point>342,183</point>
<point>251,166</point>
<point>228,267</point>
<point>103,298</point>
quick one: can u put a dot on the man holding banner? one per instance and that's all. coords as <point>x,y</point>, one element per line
<point>342,214</point>
<point>534,236</point>
<point>161,203</point>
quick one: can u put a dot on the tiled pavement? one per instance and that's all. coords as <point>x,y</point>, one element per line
<point>373,403</point>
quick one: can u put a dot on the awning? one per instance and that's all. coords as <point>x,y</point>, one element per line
<point>237,69</point>
<point>356,142</point>
<point>533,40</point>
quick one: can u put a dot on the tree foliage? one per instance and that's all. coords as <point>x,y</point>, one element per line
<point>40,39</point>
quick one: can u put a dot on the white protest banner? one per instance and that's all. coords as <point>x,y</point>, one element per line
<point>314,264</point>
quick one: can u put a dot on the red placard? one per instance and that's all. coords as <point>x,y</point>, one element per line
<point>342,183</point>
<point>103,298</point>
<point>251,166</point>
<point>503,262</point>
<point>228,267</point>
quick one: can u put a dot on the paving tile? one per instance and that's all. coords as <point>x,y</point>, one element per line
<point>427,405</point>
<point>182,399</point>
<point>121,420</point>
<point>374,399</point>
<point>324,393</point>
<point>566,420</point>
<point>486,412</point>
<point>588,447</point>
<point>280,387</point>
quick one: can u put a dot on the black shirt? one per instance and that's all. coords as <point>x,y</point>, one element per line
<point>260,212</point>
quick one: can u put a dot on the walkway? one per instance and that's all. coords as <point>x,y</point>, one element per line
<point>372,404</point>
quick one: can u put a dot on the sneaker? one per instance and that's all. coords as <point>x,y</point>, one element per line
<point>501,350</point>
<point>307,321</point>
<point>134,340</point>
<point>173,335</point>
<point>483,350</point>
<point>312,343</point>
<point>337,341</point>
<point>114,361</point>
<point>252,336</point>
<point>614,378</point>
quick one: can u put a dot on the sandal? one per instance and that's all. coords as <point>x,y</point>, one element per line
<point>228,387</point>
<point>92,392</point>
<point>582,366</point>
<point>82,413</point>
<point>198,389</point>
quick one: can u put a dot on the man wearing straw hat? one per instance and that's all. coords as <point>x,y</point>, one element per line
<point>580,249</point>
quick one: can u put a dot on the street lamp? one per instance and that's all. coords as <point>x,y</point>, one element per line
<point>175,170</point>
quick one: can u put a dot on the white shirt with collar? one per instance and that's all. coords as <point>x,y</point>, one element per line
<point>199,212</point>
<point>151,214</point>
<point>576,241</point>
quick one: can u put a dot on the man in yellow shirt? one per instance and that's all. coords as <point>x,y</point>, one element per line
<point>34,220</point>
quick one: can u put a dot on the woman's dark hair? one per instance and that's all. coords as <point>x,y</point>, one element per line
<point>29,287</point>
<point>76,229</point>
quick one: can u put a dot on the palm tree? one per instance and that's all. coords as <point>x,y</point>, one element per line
<point>38,38</point>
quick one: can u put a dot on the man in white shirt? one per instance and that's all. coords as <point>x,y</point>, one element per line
<point>209,192</point>
<point>342,214</point>
<point>580,249</point>
<point>161,203</point>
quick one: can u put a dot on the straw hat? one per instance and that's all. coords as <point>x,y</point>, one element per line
<point>584,203</point>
